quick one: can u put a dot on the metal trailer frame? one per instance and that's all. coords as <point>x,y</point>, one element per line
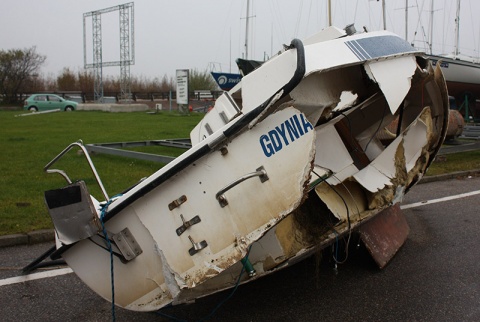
<point>116,148</point>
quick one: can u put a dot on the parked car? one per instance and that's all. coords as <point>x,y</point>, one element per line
<point>45,102</point>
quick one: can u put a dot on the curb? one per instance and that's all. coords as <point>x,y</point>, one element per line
<point>48,235</point>
<point>34,237</point>
<point>448,176</point>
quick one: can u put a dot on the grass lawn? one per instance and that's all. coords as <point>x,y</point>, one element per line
<point>29,143</point>
<point>455,162</point>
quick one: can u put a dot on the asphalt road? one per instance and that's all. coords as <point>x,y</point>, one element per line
<point>434,277</point>
<point>456,146</point>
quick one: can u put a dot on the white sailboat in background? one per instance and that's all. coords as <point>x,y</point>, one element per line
<point>461,72</point>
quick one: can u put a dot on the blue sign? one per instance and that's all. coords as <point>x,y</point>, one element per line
<point>226,81</point>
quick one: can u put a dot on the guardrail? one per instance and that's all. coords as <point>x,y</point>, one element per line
<point>83,97</point>
<point>471,131</point>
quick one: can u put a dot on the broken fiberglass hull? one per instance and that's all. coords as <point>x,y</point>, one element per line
<point>279,168</point>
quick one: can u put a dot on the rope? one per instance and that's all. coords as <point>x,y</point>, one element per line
<point>233,291</point>
<point>212,313</point>
<point>103,213</point>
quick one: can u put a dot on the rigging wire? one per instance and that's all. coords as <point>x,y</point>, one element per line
<point>355,12</point>
<point>222,42</point>
<point>473,30</point>
<point>240,46</point>
<point>443,26</point>
<point>449,31</point>
<point>308,18</point>
<point>369,14</point>
<point>297,24</point>
<point>424,34</point>
<point>277,25</point>
<point>391,20</point>
<point>318,18</point>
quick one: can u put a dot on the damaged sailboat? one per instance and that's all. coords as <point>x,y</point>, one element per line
<point>289,159</point>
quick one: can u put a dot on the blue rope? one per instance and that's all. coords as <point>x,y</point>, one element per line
<point>173,318</point>
<point>103,213</point>
<point>232,292</point>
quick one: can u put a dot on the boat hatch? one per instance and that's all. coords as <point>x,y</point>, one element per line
<point>72,212</point>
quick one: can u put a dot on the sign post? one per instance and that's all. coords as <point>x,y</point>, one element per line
<point>182,90</point>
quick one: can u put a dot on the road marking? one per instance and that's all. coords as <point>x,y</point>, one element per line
<point>429,202</point>
<point>64,271</point>
<point>36,276</point>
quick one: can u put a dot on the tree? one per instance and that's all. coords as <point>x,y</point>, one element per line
<point>201,81</point>
<point>17,67</point>
<point>85,81</point>
<point>167,84</point>
<point>67,81</point>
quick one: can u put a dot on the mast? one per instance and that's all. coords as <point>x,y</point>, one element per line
<point>246,29</point>
<point>329,13</point>
<point>431,27</point>
<point>384,16</point>
<point>406,20</point>
<point>457,29</point>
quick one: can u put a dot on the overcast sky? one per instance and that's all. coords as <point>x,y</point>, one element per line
<point>210,34</point>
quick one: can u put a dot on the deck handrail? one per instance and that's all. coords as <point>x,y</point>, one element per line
<point>79,144</point>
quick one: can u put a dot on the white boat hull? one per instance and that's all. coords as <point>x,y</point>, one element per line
<point>462,77</point>
<point>307,167</point>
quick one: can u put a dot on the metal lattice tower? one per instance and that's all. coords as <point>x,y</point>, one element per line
<point>127,49</point>
<point>97,56</point>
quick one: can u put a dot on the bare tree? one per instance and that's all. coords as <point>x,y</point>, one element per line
<point>201,81</point>
<point>167,84</point>
<point>17,67</point>
<point>67,81</point>
<point>85,80</point>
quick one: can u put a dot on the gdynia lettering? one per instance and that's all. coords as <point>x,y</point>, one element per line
<point>283,134</point>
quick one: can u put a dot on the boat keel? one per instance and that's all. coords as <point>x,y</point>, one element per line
<point>384,234</point>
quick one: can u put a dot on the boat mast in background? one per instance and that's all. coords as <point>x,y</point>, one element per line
<point>406,19</point>
<point>246,28</point>
<point>457,29</point>
<point>431,28</point>
<point>384,16</point>
<point>329,13</point>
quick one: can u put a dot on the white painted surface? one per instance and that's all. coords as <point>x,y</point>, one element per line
<point>35,276</point>
<point>432,201</point>
<point>394,78</point>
